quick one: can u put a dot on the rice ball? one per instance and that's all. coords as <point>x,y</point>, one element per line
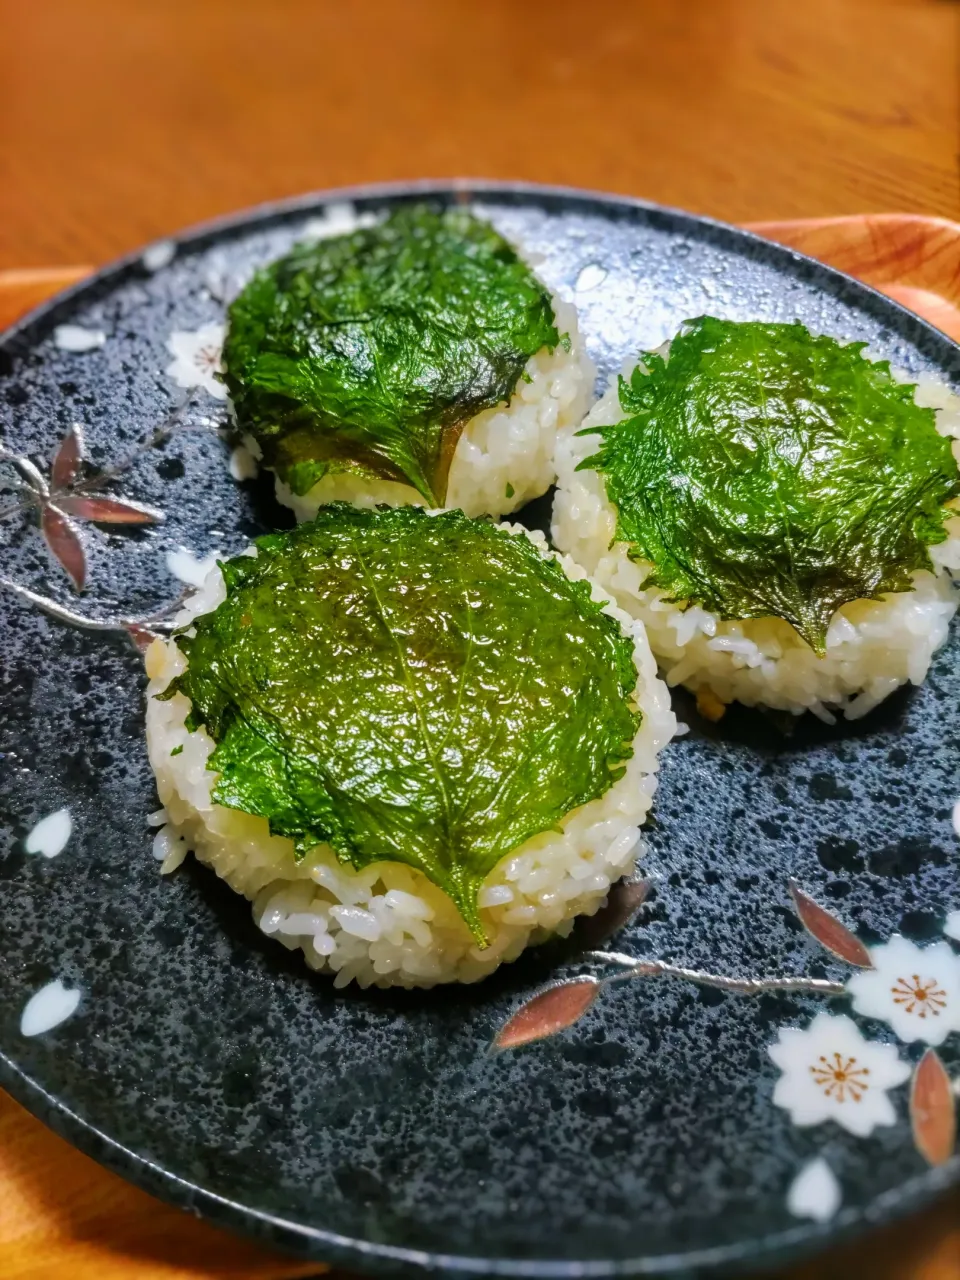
<point>872,645</point>
<point>357,363</point>
<point>388,923</point>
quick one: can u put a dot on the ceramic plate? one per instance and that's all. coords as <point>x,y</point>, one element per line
<point>653,1135</point>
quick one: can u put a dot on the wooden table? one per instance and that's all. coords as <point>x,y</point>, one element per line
<point>122,121</point>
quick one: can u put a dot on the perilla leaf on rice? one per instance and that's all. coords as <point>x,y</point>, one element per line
<point>430,690</point>
<point>765,471</point>
<point>369,352</point>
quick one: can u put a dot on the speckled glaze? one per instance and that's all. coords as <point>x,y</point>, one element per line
<point>372,1129</point>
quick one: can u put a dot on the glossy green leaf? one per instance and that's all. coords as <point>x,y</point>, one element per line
<point>422,689</point>
<point>370,352</point>
<point>764,471</point>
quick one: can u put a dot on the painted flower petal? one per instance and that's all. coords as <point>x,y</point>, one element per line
<point>108,510</point>
<point>547,1013</point>
<point>74,337</point>
<point>158,255</point>
<point>189,567</point>
<point>67,459</point>
<point>243,465</point>
<point>50,836</point>
<point>64,542</point>
<point>815,1192</point>
<point>624,900</point>
<point>30,474</point>
<point>933,1110</point>
<point>47,1008</point>
<point>337,219</point>
<point>141,637</point>
<point>828,930</point>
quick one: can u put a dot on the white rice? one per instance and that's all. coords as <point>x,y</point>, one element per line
<point>505,455</point>
<point>388,924</point>
<point>873,646</point>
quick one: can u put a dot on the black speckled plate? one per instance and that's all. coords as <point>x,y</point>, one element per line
<point>373,1129</point>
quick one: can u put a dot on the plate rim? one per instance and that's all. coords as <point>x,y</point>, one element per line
<point>317,1244</point>
<point>514,190</point>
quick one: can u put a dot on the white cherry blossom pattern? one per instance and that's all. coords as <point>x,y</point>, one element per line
<point>196,358</point>
<point>831,1072</point>
<point>916,990</point>
<point>952,926</point>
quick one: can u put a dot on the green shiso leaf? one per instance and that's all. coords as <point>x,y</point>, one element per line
<point>369,352</point>
<point>764,471</point>
<point>420,689</point>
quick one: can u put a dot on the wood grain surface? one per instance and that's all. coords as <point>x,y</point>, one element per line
<point>121,122</point>
<point>912,259</point>
<point>63,1216</point>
